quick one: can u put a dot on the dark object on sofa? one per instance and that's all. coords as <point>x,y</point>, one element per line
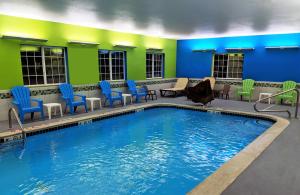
<point>150,93</point>
<point>201,93</point>
<point>225,91</point>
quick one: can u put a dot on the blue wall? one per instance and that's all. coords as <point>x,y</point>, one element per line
<point>261,64</point>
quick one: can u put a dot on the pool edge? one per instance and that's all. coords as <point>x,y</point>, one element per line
<point>225,175</point>
<point>218,181</point>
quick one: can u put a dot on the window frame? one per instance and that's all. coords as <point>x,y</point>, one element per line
<point>111,65</point>
<point>153,65</point>
<point>227,68</point>
<point>44,65</point>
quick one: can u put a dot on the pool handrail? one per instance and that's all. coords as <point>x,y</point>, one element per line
<point>275,95</point>
<point>13,110</point>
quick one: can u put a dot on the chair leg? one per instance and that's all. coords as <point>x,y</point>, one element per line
<point>22,117</point>
<point>65,111</point>
<point>42,114</point>
<point>85,107</point>
<point>71,109</point>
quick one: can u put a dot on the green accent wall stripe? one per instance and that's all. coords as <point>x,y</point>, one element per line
<point>82,60</point>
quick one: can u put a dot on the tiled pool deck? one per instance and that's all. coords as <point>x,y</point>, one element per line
<point>274,172</point>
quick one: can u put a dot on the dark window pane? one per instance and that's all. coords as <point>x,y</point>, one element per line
<point>39,70</point>
<point>25,80</point>
<point>40,80</point>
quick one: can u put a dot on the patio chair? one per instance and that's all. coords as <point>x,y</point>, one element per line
<point>69,97</point>
<point>225,91</point>
<point>291,96</point>
<point>247,89</point>
<point>135,91</point>
<point>179,87</point>
<point>110,95</point>
<point>22,100</point>
<point>150,93</point>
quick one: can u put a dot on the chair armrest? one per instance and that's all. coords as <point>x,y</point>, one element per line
<point>83,97</point>
<point>119,92</point>
<point>141,89</point>
<point>39,101</point>
<point>133,92</point>
<point>15,103</point>
<point>67,99</point>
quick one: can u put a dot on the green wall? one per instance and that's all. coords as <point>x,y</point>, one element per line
<point>82,60</point>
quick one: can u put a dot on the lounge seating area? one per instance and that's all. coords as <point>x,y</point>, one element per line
<point>203,92</point>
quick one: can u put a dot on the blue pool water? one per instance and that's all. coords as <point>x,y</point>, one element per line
<point>156,151</point>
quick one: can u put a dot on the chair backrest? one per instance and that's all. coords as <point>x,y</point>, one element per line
<point>181,83</point>
<point>226,89</point>
<point>21,95</point>
<point>66,90</point>
<point>145,88</point>
<point>105,88</point>
<point>212,81</point>
<point>289,85</point>
<point>248,85</point>
<point>131,86</point>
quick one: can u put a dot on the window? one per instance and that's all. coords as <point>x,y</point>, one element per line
<point>154,65</point>
<point>112,65</point>
<point>228,66</point>
<point>43,65</point>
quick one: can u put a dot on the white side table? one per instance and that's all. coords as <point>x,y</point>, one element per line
<point>262,95</point>
<point>49,107</point>
<point>125,95</point>
<point>92,100</point>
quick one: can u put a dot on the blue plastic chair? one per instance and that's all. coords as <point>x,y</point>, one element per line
<point>136,92</point>
<point>68,96</point>
<point>22,100</point>
<point>110,95</point>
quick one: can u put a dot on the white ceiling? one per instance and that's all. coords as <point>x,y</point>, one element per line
<point>179,19</point>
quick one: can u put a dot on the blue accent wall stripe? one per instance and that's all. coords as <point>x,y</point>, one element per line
<point>262,64</point>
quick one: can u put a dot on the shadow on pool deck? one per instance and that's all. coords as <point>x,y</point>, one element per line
<point>274,172</point>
